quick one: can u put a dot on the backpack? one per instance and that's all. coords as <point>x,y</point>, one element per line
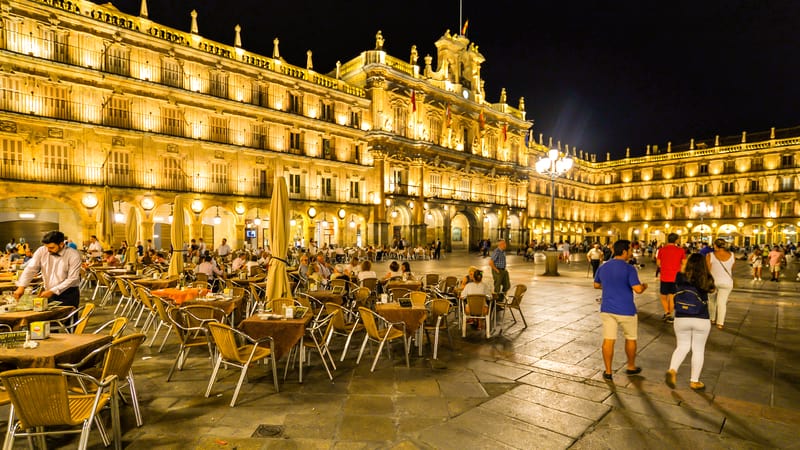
<point>689,302</point>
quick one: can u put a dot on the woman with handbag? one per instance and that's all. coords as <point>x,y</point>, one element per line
<point>720,263</point>
<point>692,324</point>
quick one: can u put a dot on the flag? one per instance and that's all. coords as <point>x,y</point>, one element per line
<point>464,28</point>
<point>481,121</point>
<point>447,117</point>
<point>413,101</point>
<point>528,139</point>
<point>505,132</point>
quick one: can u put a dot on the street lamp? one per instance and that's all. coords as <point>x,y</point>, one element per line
<point>701,209</point>
<point>553,165</point>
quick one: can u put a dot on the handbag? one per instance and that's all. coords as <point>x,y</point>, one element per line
<point>689,302</point>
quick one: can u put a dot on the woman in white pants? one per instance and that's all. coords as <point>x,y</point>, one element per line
<point>692,325</point>
<point>720,263</point>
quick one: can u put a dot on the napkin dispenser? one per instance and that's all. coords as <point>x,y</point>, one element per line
<point>40,330</point>
<point>40,304</point>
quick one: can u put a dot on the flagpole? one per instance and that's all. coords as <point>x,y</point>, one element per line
<point>460,18</point>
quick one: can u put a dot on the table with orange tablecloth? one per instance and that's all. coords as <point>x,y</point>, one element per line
<point>18,319</point>
<point>285,332</point>
<point>413,316</point>
<point>196,296</point>
<point>57,349</point>
<point>179,295</point>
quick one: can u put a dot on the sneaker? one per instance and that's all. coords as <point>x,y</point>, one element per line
<point>670,319</point>
<point>664,317</point>
<point>608,376</point>
<point>671,378</point>
<point>697,385</point>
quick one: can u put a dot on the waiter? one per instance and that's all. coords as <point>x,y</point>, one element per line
<point>61,271</point>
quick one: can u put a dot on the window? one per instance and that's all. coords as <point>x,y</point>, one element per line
<point>755,185</point>
<point>491,146</point>
<point>295,144</point>
<point>56,101</point>
<point>758,163</point>
<point>355,119</point>
<point>491,190</point>
<point>118,168</point>
<point>171,73</point>
<point>118,60</point>
<point>327,149</point>
<point>326,188</point>
<point>702,188</point>
<point>117,112</point>
<point>677,191</point>
<point>787,161</point>
<point>397,184</point>
<point>218,84</point>
<point>728,210</point>
<point>172,122</point>
<point>729,166</point>
<point>260,94</point>
<point>465,189</point>
<point>327,111</point>
<point>401,120</point>
<point>435,185</point>
<point>11,94</point>
<point>260,136</point>
<point>294,183</point>
<point>787,208</point>
<point>12,158</point>
<point>787,183</point>
<point>295,104</point>
<point>56,45</point>
<point>435,130</point>
<point>173,177</point>
<point>704,169</point>
<point>355,190</point>
<point>756,210</point>
<point>729,187</point>
<point>219,129</point>
<point>679,212</point>
<point>219,177</point>
<point>357,154</point>
<point>637,176</point>
<point>56,162</point>
<point>679,172</point>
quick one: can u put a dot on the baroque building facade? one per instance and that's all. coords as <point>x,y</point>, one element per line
<point>380,148</point>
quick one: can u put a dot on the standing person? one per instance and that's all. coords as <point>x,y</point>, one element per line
<point>691,323</point>
<point>95,247</point>
<point>224,250</point>
<point>670,259</point>
<point>139,249</point>
<point>775,258</point>
<point>756,260</point>
<point>720,263</point>
<point>619,280</point>
<point>565,251</point>
<point>437,252</point>
<point>498,264</point>
<point>60,267</point>
<point>11,247</point>
<point>595,256</point>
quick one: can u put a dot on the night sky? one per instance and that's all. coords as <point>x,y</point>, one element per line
<point>599,75</point>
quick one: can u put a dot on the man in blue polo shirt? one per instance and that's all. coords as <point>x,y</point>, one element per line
<point>619,280</point>
<point>498,264</point>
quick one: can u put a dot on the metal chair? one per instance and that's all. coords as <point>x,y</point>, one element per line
<point>66,324</point>
<point>192,332</point>
<point>316,337</point>
<point>514,302</point>
<point>340,325</point>
<point>474,308</point>
<point>437,320</point>
<point>114,327</point>
<point>381,331</point>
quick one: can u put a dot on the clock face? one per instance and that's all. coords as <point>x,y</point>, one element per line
<point>465,93</point>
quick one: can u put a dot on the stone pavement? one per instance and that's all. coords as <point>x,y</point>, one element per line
<point>534,387</point>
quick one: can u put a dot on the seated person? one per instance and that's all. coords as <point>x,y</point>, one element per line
<point>209,267</point>
<point>468,278</point>
<point>148,257</point>
<point>366,271</point>
<point>239,262</point>
<point>477,287</point>
<point>109,258</point>
<point>393,273</point>
<point>338,272</point>
<point>302,269</point>
<point>405,270</point>
<point>252,267</point>
<point>320,270</point>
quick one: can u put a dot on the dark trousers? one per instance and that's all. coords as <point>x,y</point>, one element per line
<point>595,265</point>
<point>70,297</point>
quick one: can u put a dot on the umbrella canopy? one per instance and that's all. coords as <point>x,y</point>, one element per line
<point>107,219</point>
<point>176,235</point>
<point>277,279</point>
<point>132,234</point>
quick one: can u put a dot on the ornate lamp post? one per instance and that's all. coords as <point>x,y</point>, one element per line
<point>553,165</point>
<point>701,209</point>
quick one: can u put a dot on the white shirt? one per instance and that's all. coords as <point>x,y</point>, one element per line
<point>224,250</point>
<point>95,249</point>
<point>59,272</point>
<point>474,288</point>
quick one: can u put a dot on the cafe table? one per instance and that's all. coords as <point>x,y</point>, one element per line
<point>413,317</point>
<point>157,283</point>
<point>59,348</point>
<point>18,319</point>
<point>411,285</point>
<point>199,296</point>
<point>285,332</point>
<point>327,296</point>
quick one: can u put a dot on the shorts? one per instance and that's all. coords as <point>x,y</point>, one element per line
<point>629,325</point>
<point>667,288</point>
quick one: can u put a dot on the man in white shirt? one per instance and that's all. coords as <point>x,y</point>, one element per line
<point>595,256</point>
<point>224,250</point>
<point>95,247</point>
<point>239,262</point>
<point>61,270</point>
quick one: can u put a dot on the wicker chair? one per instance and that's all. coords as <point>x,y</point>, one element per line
<point>68,324</point>
<point>340,325</point>
<point>514,302</point>
<point>381,331</point>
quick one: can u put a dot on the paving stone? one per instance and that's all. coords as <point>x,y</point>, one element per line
<point>559,367</point>
<point>645,404</point>
<point>574,388</point>
<point>455,389</point>
<point>448,436</point>
<point>562,402</point>
<point>368,404</point>
<point>541,416</point>
<point>510,431</point>
<point>313,426</point>
<point>421,406</point>
<point>367,428</point>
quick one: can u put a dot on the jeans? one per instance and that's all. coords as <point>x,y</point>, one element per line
<point>691,334</point>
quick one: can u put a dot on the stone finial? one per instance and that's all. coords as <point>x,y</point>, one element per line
<point>716,141</point>
<point>648,150</point>
<point>447,34</point>
<point>550,142</point>
<point>338,69</point>
<point>237,40</point>
<point>428,67</point>
<point>503,95</point>
<point>379,40</point>
<point>521,106</point>
<point>691,144</point>
<point>608,156</point>
<point>143,9</point>
<point>194,29</point>
<point>276,54</point>
<point>669,147</point>
<point>772,133</point>
<point>414,55</point>
<point>744,137</point>
<point>309,63</point>
<point>627,152</point>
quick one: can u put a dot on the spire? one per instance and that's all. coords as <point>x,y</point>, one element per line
<point>276,54</point>
<point>143,9</point>
<point>237,41</point>
<point>309,63</point>
<point>194,29</point>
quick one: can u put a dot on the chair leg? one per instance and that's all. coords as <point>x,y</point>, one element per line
<point>177,364</point>
<point>406,344</point>
<point>436,338</point>
<point>525,322</point>
<point>239,385</point>
<point>488,326</point>
<point>378,355</point>
<point>135,400</point>
<point>213,376</point>
<point>166,336</point>
<point>363,346</point>
<point>274,363</point>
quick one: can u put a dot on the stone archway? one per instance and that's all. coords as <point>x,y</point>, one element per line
<point>465,233</point>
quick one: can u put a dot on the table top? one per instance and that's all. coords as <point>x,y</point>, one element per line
<point>413,317</point>
<point>58,348</point>
<point>411,284</point>
<point>159,283</point>
<point>285,332</point>
<point>19,319</point>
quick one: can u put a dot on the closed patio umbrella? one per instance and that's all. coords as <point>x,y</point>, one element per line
<point>277,279</point>
<point>176,235</point>
<point>107,219</point>
<point>132,234</point>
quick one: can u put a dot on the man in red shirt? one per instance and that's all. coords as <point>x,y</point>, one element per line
<point>670,260</point>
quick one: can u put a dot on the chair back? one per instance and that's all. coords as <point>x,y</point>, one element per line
<point>307,301</point>
<point>337,316</point>
<point>476,303</point>
<point>418,298</point>
<point>200,315</point>
<point>121,354</point>
<point>39,396</point>
<point>80,326</point>
<point>398,293</point>
<point>123,287</point>
<point>145,297</point>
<point>237,292</point>
<point>255,293</point>
<point>201,277</point>
<point>370,324</point>
<point>370,283</point>
<point>516,299</point>
<point>431,279</point>
<point>117,326</point>
<point>361,295</point>
<point>277,305</point>
<point>439,307</point>
<point>338,282</point>
<point>450,284</point>
<point>225,339</point>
